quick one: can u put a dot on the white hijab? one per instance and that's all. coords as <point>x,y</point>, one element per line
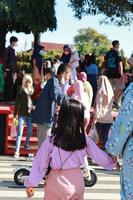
<point>29,91</point>
<point>105,88</point>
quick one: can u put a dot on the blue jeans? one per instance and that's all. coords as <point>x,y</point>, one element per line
<point>21,121</point>
<point>104,129</point>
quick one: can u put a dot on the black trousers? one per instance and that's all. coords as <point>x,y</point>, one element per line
<point>9,87</point>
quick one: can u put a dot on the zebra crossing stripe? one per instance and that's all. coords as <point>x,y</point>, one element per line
<point>11,163</point>
<point>4,170</point>
<point>87,196</point>
<point>101,196</point>
<point>19,193</point>
<point>106,188</point>
<point>114,179</point>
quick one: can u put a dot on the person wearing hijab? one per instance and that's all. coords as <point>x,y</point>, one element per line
<point>121,143</point>
<point>22,111</point>
<point>87,86</point>
<point>77,92</point>
<point>74,64</point>
<point>66,55</point>
<point>103,107</point>
<point>38,60</point>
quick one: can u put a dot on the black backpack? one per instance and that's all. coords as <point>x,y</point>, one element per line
<point>112,60</point>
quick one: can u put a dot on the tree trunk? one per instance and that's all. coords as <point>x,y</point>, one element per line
<point>37,36</point>
<point>2,44</point>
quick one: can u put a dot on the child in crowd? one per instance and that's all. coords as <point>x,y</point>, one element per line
<point>65,151</point>
<point>74,63</point>
<point>55,65</point>
<point>65,82</point>
<point>76,91</point>
<point>22,111</point>
<point>103,107</point>
<point>47,74</point>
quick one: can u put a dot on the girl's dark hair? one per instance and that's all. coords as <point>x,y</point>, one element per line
<point>69,134</point>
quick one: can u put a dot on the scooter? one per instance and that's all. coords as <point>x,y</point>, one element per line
<point>20,174</point>
<point>90,178</point>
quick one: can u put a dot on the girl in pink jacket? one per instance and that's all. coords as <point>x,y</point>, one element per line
<point>65,151</point>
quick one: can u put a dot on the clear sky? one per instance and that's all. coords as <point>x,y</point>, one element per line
<point>68,26</point>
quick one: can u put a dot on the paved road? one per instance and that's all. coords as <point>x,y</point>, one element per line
<point>107,187</point>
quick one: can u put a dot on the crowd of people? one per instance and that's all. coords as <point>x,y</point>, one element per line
<point>61,100</point>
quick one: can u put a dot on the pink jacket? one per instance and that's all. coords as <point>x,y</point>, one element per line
<point>48,153</point>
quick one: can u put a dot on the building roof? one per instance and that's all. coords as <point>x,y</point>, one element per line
<point>52,46</point>
<point>49,46</point>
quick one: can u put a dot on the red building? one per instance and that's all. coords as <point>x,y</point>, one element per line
<point>49,46</point>
<point>52,46</point>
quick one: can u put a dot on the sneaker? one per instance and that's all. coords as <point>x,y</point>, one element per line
<point>27,146</point>
<point>16,155</point>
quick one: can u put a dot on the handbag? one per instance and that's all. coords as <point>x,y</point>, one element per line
<point>13,131</point>
<point>93,134</point>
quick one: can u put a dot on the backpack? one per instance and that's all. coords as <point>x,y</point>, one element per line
<point>112,60</point>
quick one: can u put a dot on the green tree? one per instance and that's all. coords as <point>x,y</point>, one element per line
<point>26,16</point>
<point>38,16</point>
<point>119,12</point>
<point>24,61</point>
<point>90,41</point>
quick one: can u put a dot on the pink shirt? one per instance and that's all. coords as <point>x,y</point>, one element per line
<point>50,153</point>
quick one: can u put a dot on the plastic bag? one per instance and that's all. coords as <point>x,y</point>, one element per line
<point>93,134</point>
<point>13,131</point>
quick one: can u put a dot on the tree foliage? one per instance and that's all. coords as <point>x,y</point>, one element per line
<point>27,15</point>
<point>90,41</point>
<point>119,12</point>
